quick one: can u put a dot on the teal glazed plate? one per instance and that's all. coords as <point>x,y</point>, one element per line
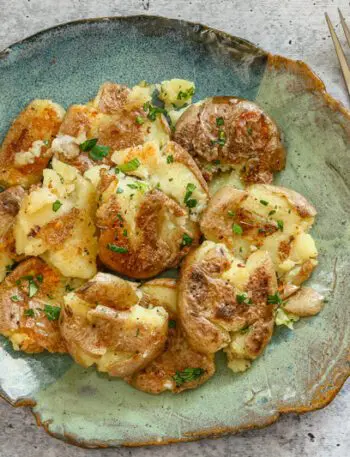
<point>301,370</point>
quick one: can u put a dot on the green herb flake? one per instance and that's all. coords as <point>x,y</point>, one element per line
<point>274,299</point>
<point>231,213</point>
<point>29,312</point>
<point>172,323</point>
<point>190,202</point>
<point>140,120</point>
<point>132,165</point>
<point>186,94</point>
<point>39,278</point>
<point>249,131</point>
<point>15,298</point>
<point>220,121</point>
<point>237,229</point>
<point>52,312</point>
<point>117,249</point>
<point>56,206</point>
<point>186,240</point>
<point>88,144</point>
<point>68,288</point>
<point>272,212</point>
<point>245,329</point>
<point>280,225</point>
<point>264,202</point>
<point>187,375</point>
<point>125,232</point>
<point>33,288</point>
<point>120,217</point>
<point>170,159</point>
<point>98,152</point>
<point>241,298</point>
<point>153,111</point>
<point>120,190</point>
<point>2,189</point>
<point>133,186</point>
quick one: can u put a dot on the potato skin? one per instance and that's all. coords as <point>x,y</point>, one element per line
<point>158,376</point>
<point>252,140</point>
<point>38,332</point>
<point>39,121</point>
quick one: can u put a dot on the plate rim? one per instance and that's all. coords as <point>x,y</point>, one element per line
<point>341,368</point>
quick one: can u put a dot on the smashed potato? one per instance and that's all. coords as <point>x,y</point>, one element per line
<point>10,201</point>
<point>117,118</point>
<point>222,301</point>
<point>148,224</point>
<point>56,221</point>
<point>179,367</point>
<point>265,217</point>
<point>229,132</point>
<point>25,151</point>
<point>30,305</point>
<point>117,333</point>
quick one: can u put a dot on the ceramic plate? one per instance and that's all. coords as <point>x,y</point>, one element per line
<point>301,370</point>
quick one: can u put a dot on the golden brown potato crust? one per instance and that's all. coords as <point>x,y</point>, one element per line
<point>23,314</point>
<point>40,120</point>
<point>10,202</point>
<point>151,248</point>
<point>250,139</point>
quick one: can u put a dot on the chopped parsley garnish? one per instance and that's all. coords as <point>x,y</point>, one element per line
<point>187,375</point>
<point>40,278</point>
<point>29,312</point>
<point>52,312</point>
<point>120,217</point>
<point>231,213</point>
<point>219,121</point>
<point>216,162</point>
<point>9,268</point>
<point>221,138</point>
<point>88,144</point>
<point>264,202</point>
<point>244,329</point>
<point>15,298</point>
<point>117,249</point>
<point>153,111</point>
<point>170,159</point>
<point>185,94</point>
<point>274,299</point>
<point>280,225</point>
<point>56,206</point>
<point>132,165</point>
<point>68,288</point>
<point>140,120</point>
<point>120,190</point>
<point>272,212</point>
<point>125,232</point>
<point>132,186</point>
<point>190,202</point>
<point>33,288</point>
<point>172,323</point>
<point>186,240</point>
<point>249,130</point>
<point>237,229</point>
<point>243,298</point>
<point>98,152</point>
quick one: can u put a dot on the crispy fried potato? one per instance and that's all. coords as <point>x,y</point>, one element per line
<point>56,221</point>
<point>145,224</point>
<point>304,303</point>
<point>30,301</point>
<point>10,201</point>
<point>116,117</point>
<point>265,217</point>
<point>221,298</point>
<point>25,151</point>
<point>119,339</point>
<point>229,132</point>
<point>179,367</point>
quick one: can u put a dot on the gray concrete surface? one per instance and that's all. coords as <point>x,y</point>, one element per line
<point>294,28</point>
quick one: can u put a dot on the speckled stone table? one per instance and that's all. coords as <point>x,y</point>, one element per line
<point>294,28</point>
